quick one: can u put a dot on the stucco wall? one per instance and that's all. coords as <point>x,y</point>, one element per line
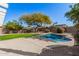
<point>3,11</point>
<point>0,30</point>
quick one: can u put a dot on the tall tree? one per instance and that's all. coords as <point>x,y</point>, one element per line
<point>77,25</point>
<point>73,14</point>
<point>36,19</point>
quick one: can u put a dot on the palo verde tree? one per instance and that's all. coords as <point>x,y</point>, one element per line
<point>36,19</point>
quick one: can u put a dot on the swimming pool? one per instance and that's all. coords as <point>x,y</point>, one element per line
<point>55,38</point>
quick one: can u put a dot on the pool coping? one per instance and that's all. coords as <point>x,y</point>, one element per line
<point>67,35</point>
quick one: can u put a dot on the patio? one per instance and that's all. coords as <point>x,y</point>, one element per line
<point>28,46</point>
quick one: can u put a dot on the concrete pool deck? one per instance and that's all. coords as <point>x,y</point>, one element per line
<point>27,46</point>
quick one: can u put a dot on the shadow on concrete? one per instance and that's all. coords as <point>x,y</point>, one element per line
<point>60,51</point>
<point>52,51</point>
<point>19,52</point>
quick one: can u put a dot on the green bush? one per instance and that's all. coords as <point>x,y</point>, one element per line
<point>76,36</point>
<point>60,30</point>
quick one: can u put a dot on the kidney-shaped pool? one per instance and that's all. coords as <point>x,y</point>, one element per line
<point>54,37</point>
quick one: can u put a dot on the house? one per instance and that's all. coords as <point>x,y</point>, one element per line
<point>3,11</point>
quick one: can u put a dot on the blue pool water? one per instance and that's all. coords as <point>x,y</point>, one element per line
<point>55,38</point>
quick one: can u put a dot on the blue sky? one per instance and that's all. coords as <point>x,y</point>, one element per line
<point>55,11</point>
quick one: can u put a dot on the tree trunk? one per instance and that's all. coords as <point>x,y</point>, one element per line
<point>11,31</point>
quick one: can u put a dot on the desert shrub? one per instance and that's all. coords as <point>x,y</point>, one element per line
<point>60,30</point>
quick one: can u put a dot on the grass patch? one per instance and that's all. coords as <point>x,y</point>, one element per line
<point>12,36</point>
